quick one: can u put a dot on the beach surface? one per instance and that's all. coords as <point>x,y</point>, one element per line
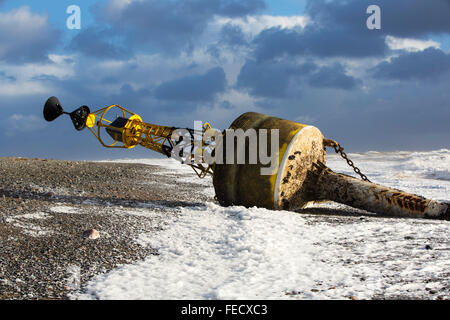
<point>163,236</point>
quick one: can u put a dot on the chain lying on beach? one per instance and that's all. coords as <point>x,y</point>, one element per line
<point>340,150</point>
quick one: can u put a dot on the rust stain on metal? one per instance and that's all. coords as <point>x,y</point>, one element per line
<point>375,198</point>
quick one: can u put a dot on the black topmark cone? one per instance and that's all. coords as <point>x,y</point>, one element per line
<point>52,109</point>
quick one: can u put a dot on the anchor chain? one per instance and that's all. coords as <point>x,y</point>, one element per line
<point>340,150</point>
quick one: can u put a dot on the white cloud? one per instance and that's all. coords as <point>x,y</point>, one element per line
<point>220,113</point>
<point>60,66</point>
<point>28,76</point>
<point>239,99</point>
<point>22,18</point>
<point>22,88</point>
<point>408,44</point>
<point>25,36</point>
<point>149,70</point>
<point>228,106</point>
<point>253,25</point>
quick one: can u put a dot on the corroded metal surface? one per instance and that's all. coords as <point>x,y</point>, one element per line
<point>293,179</point>
<point>373,197</point>
<point>242,184</point>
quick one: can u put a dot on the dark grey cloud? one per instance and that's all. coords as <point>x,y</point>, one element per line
<point>270,78</point>
<point>273,78</point>
<point>193,88</point>
<point>315,40</point>
<point>230,38</point>
<point>25,36</point>
<point>128,96</point>
<point>155,25</point>
<point>333,77</point>
<point>427,64</point>
<point>99,42</point>
<point>403,18</point>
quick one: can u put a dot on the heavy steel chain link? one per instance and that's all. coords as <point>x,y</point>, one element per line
<point>340,150</point>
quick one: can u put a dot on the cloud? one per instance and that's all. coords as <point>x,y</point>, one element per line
<point>333,77</point>
<point>25,36</point>
<point>232,35</point>
<point>98,42</point>
<point>270,78</point>
<point>317,41</point>
<point>427,64</point>
<point>401,18</point>
<point>127,95</point>
<point>253,25</point>
<point>411,45</point>
<point>338,29</point>
<point>193,88</point>
<point>19,123</point>
<point>28,79</point>
<point>5,76</point>
<point>169,26</point>
<point>280,79</point>
<point>237,8</point>
<point>18,89</point>
<point>415,18</point>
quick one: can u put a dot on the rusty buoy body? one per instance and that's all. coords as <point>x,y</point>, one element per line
<point>300,146</point>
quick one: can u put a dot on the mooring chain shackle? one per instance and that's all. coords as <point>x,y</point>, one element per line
<point>337,147</point>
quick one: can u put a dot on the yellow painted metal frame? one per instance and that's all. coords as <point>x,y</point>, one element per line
<point>136,132</point>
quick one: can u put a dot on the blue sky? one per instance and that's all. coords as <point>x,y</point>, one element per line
<point>178,61</point>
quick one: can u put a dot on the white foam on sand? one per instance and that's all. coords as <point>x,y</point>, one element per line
<point>66,209</point>
<point>23,222</point>
<point>36,215</point>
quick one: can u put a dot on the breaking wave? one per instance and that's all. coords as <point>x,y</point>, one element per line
<point>420,164</point>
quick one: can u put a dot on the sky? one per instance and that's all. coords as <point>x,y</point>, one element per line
<point>178,61</point>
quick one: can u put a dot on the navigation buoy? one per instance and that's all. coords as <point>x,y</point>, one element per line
<point>299,178</point>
